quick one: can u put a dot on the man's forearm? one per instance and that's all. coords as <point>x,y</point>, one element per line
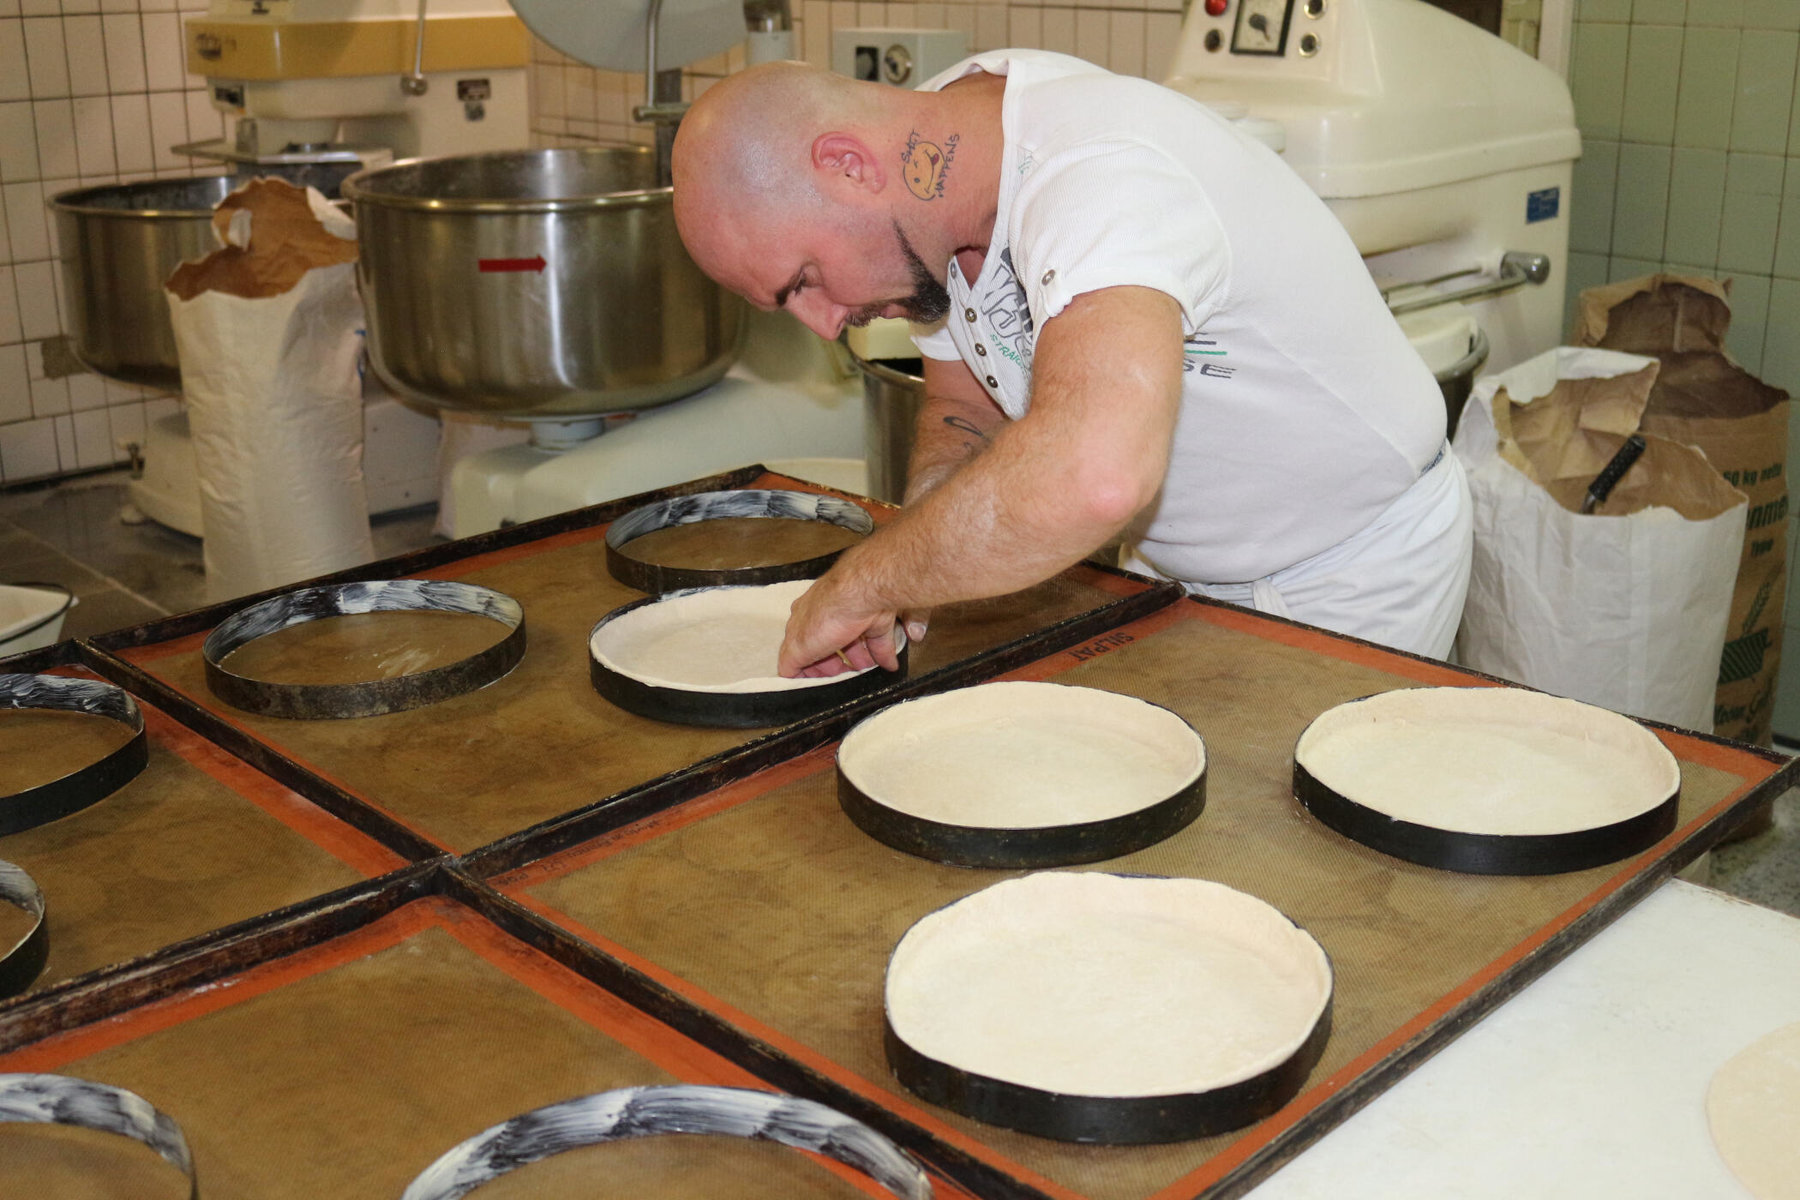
<point>1047,490</point>
<point>956,422</point>
<point>946,438</point>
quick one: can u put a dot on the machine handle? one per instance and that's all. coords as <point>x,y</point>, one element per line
<point>1517,269</point>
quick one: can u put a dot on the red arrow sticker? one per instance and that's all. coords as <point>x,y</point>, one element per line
<point>489,265</point>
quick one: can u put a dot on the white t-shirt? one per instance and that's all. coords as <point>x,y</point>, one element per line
<point>1304,411</point>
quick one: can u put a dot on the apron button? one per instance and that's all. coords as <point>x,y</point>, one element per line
<point>968,314</point>
<point>1048,276</point>
<point>981,349</point>
<point>992,382</point>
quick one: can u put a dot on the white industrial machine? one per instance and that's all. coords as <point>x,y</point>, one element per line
<point>1445,152</point>
<point>336,85</point>
<point>897,57</point>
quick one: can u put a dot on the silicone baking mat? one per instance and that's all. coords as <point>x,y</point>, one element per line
<point>761,904</point>
<point>540,742</point>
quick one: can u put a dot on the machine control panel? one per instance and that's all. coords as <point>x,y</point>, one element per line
<point>1265,29</point>
<point>1261,26</point>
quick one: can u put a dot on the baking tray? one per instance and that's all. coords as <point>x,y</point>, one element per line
<point>197,841</point>
<point>400,1010</point>
<point>540,743</point>
<point>759,907</point>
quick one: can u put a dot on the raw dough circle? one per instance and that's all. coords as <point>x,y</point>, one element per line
<point>1022,756</point>
<point>1753,1107</point>
<point>1089,984</point>
<point>1489,760</point>
<point>723,639</point>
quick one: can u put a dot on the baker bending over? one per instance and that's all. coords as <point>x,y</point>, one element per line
<point>1142,322</point>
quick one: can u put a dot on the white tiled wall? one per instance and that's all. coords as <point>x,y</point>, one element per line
<point>91,92</point>
<point>1690,119</point>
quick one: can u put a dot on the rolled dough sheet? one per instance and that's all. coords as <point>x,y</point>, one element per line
<point>1022,755</point>
<point>1090,984</point>
<point>1489,760</point>
<point>1753,1107</point>
<point>725,639</point>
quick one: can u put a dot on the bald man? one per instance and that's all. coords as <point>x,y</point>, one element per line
<point>1135,321</point>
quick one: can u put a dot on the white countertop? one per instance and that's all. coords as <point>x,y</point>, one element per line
<point>1591,1082</point>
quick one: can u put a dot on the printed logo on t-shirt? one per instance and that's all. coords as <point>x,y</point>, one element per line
<point>1201,353</point>
<point>1008,313</point>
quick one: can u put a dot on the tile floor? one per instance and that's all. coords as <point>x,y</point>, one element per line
<point>126,574</point>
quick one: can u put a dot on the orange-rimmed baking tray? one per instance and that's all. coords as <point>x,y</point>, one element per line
<point>338,1050</point>
<point>540,743</point>
<point>761,907</point>
<point>197,841</point>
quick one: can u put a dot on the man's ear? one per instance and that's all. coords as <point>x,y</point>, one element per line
<point>848,157</point>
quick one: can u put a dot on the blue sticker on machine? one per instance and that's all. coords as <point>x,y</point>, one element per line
<point>1543,204</point>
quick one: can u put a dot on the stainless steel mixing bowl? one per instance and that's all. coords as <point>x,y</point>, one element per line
<point>540,283</point>
<point>118,245</point>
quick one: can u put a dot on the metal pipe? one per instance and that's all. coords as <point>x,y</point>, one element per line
<point>650,23</point>
<point>768,16</point>
<point>416,83</point>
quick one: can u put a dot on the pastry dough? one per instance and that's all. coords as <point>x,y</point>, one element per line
<point>725,639</point>
<point>1489,760</point>
<point>1022,756</point>
<point>1753,1107</point>
<point>1090,984</point>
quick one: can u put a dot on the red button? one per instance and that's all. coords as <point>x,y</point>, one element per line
<point>1216,8</point>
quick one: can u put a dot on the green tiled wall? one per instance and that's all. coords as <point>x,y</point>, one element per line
<point>1690,124</point>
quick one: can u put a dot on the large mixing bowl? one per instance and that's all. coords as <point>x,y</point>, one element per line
<point>540,283</point>
<point>120,242</point>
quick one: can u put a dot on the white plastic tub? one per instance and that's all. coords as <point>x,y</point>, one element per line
<point>31,615</point>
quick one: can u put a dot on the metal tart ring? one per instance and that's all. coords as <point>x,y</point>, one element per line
<point>65,1100</point>
<point>678,1108</point>
<point>20,966</point>
<point>377,696</point>
<point>713,506</point>
<point>729,710</point>
<point>87,785</point>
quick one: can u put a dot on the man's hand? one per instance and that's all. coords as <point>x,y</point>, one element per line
<point>829,633</point>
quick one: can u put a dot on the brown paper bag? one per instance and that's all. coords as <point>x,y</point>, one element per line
<point>269,329</point>
<point>1624,607</point>
<point>1701,398</point>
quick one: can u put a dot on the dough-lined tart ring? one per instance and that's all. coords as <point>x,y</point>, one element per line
<point>1488,780</point>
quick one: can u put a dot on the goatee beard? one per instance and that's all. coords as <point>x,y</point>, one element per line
<point>929,301</point>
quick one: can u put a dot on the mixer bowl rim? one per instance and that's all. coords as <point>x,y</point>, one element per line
<point>71,200</point>
<point>354,190</point>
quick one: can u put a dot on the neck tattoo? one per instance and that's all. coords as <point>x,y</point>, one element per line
<point>926,165</point>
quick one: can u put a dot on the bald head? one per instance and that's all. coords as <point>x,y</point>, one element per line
<point>750,135</point>
<point>794,182</point>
